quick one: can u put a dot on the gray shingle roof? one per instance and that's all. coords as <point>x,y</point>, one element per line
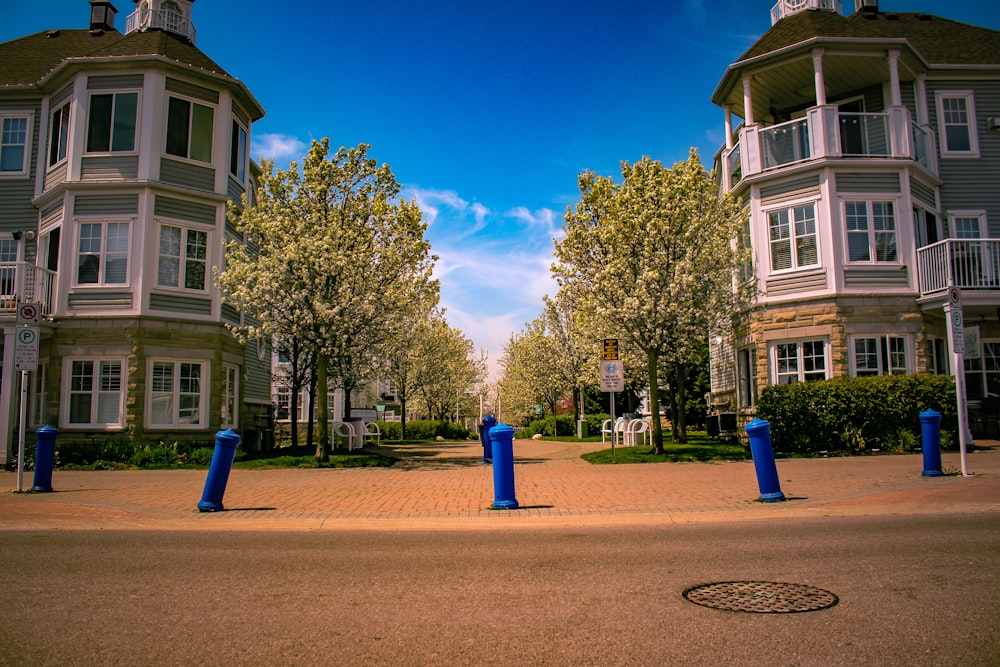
<point>939,41</point>
<point>26,61</point>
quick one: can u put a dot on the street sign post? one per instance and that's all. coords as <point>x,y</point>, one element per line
<point>612,379</point>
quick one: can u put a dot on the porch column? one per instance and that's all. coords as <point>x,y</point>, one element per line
<point>729,127</point>
<point>817,56</point>
<point>747,103</point>
<point>923,117</point>
<point>895,96</point>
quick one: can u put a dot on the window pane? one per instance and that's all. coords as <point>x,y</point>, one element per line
<point>116,262</point>
<point>169,266</point>
<point>178,121</point>
<point>201,133</point>
<point>88,271</point>
<point>194,266</point>
<point>99,132</point>
<point>79,409</point>
<point>124,128</point>
<point>866,356</point>
<point>805,233</point>
<point>956,119</point>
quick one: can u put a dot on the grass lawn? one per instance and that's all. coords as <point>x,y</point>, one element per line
<point>302,457</point>
<point>699,447</point>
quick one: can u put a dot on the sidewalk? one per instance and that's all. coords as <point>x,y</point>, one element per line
<point>447,486</point>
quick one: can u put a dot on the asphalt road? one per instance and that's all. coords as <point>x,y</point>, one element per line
<point>912,591</point>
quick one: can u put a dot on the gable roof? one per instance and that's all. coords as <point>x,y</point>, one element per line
<point>939,41</point>
<point>28,60</point>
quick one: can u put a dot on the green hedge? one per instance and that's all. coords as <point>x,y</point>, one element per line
<point>854,415</point>
<point>567,425</point>
<point>424,429</point>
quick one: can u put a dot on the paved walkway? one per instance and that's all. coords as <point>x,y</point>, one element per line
<point>447,486</point>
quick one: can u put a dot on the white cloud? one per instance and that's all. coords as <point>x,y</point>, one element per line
<point>278,147</point>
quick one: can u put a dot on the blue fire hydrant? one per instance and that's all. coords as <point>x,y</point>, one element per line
<point>759,432</point>
<point>502,441</point>
<point>226,443</point>
<point>45,458</point>
<point>930,442</point>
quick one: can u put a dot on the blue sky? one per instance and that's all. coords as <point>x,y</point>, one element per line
<point>487,110</point>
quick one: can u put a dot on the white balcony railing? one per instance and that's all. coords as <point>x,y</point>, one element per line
<point>971,264</point>
<point>161,19</point>
<point>783,8</point>
<point>827,133</point>
<point>785,143</point>
<point>21,282</point>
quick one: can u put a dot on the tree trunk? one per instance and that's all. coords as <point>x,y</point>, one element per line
<point>323,411</point>
<point>402,417</point>
<point>310,422</point>
<point>652,364</point>
<point>680,431</point>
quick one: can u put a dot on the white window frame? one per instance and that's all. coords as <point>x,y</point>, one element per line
<point>985,370</point>
<point>182,259</point>
<point>95,392</point>
<point>59,131</point>
<point>111,130</point>
<point>794,238</point>
<point>190,130</point>
<point>29,122</point>
<point>800,373</point>
<point>746,376</point>
<point>970,122</point>
<point>955,216</point>
<point>230,395</point>
<point>870,232</point>
<point>103,252</point>
<point>175,394</point>
<point>938,356</point>
<point>886,347</point>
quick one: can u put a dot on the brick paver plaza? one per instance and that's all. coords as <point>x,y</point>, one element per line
<point>448,486</point>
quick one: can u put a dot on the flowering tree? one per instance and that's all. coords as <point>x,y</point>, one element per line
<point>332,257</point>
<point>653,257</point>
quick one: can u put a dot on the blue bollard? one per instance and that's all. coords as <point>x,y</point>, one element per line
<point>502,442</point>
<point>930,442</point>
<point>489,421</point>
<point>45,458</point>
<point>759,432</point>
<point>226,443</point>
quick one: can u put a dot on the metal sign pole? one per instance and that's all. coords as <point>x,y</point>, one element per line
<point>956,342</point>
<point>20,439</point>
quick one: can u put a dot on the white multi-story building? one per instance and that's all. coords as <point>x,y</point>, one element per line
<point>868,160</point>
<point>119,154</point>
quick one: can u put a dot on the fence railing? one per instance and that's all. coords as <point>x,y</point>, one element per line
<point>970,264</point>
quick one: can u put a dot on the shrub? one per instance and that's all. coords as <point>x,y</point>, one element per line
<point>853,415</point>
<point>426,429</point>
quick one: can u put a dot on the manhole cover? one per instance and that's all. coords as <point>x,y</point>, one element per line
<point>761,597</point>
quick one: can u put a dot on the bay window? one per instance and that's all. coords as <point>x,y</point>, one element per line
<point>801,361</point>
<point>112,122</point>
<point>189,129</point>
<point>183,257</point>
<point>59,134</point>
<point>95,392</point>
<point>175,390</point>
<point>793,237</point>
<point>102,257</point>
<point>871,225</point>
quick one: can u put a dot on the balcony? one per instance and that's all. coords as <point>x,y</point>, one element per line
<point>21,282</point>
<point>827,133</point>
<point>971,264</point>
<point>160,19</point>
